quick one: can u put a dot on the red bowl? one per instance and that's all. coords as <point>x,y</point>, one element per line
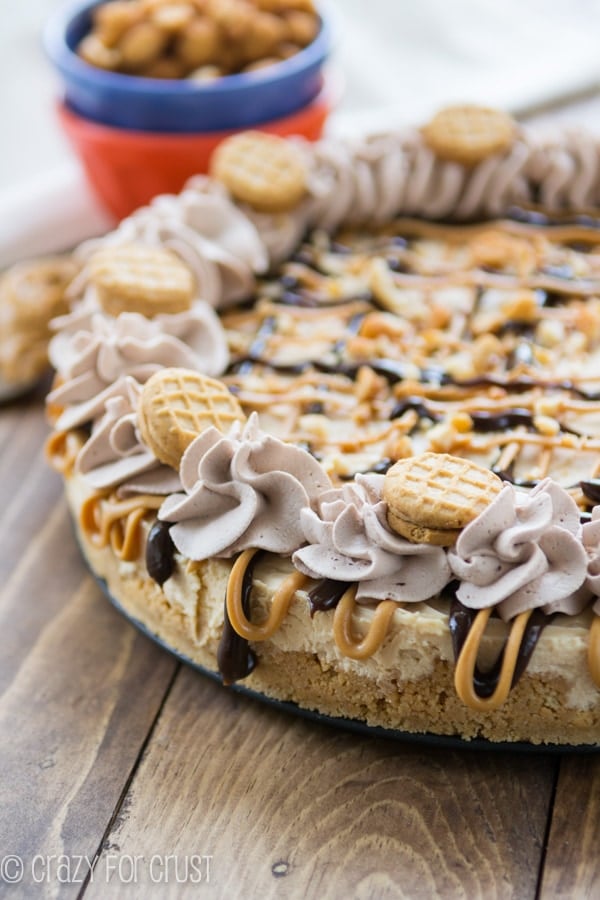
<point>128,168</point>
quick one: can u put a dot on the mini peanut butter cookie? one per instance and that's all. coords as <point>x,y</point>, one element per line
<point>137,278</point>
<point>263,170</point>
<point>31,294</point>
<point>469,134</point>
<point>433,496</point>
<point>176,405</point>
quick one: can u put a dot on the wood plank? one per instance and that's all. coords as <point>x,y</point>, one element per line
<point>572,865</point>
<point>80,687</point>
<point>289,808</point>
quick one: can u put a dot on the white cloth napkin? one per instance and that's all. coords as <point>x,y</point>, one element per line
<point>48,214</point>
<point>403,61</point>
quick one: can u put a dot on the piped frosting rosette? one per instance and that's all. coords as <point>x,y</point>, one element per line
<point>244,490</point>
<point>92,350</point>
<point>349,540</point>
<point>523,552</point>
<point>566,169</point>
<point>115,455</point>
<point>125,480</point>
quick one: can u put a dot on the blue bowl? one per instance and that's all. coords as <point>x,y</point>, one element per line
<point>180,105</point>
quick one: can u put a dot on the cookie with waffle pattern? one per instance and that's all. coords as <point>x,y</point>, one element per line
<point>176,405</point>
<point>142,279</point>
<point>31,294</point>
<point>469,134</point>
<point>432,497</point>
<point>263,170</point>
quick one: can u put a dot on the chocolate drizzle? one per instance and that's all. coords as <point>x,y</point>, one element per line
<point>326,595</point>
<point>526,383</point>
<point>311,300</point>
<point>507,475</point>
<point>234,657</point>
<point>395,371</point>
<point>267,328</point>
<point>591,489</point>
<point>378,468</point>
<point>415,404</point>
<point>511,418</point>
<point>537,622</point>
<point>521,327</point>
<point>531,216</point>
<point>460,621</point>
<point>389,369</point>
<point>352,328</point>
<point>314,408</point>
<point>483,421</point>
<point>242,364</point>
<point>160,552</point>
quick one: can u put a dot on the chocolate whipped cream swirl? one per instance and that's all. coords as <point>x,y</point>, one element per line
<point>397,174</point>
<point>243,490</point>
<point>115,455</point>
<point>566,170</point>
<point>205,228</point>
<point>591,542</point>
<point>92,350</point>
<point>386,175</point>
<point>523,552</point>
<point>349,540</point>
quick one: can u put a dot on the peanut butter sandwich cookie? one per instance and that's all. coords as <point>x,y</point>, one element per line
<point>262,170</point>
<point>469,134</point>
<point>176,405</point>
<point>31,294</point>
<point>141,279</point>
<point>431,497</point>
<point>367,483</point>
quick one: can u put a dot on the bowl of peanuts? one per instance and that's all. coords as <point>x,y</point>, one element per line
<point>189,66</point>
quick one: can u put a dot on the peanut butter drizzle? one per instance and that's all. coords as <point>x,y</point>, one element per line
<point>458,233</point>
<point>357,441</point>
<point>342,620</point>
<point>346,308</point>
<point>105,521</point>
<point>61,450</point>
<point>467,660</point>
<point>545,441</point>
<point>478,278</point>
<point>342,626</point>
<point>594,651</point>
<point>280,603</point>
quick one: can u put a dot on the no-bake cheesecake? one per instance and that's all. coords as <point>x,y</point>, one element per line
<point>345,447</point>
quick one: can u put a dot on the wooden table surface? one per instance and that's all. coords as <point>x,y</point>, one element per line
<point>124,773</point>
